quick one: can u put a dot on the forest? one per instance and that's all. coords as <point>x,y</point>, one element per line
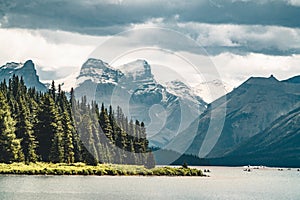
<point>54,127</point>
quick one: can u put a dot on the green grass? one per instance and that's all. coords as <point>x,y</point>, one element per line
<point>100,170</point>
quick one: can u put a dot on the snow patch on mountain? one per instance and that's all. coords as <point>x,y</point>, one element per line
<point>137,70</point>
<point>183,91</point>
<point>212,90</point>
<point>98,72</point>
<point>12,66</point>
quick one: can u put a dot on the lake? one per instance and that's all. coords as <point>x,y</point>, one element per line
<point>224,183</point>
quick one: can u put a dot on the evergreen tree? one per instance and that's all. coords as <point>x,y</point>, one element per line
<point>67,126</point>
<point>105,124</point>
<point>52,91</point>
<point>10,148</point>
<point>74,117</point>
<point>67,138</point>
<point>86,136</point>
<point>24,130</point>
<point>56,154</point>
<point>47,127</point>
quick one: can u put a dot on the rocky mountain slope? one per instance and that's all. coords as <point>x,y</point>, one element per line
<point>133,87</point>
<point>277,145</point>
<point>242,114</point>
<point>26,70</point>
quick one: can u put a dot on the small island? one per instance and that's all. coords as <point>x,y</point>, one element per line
<point>41,168</point>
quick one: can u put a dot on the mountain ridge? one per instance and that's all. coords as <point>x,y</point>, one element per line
<point>26,70</point>
<point>250,108</point>
<point>277,145</point>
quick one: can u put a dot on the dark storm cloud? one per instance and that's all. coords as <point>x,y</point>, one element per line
<point>278,13</point>
<point>277,32</point>
<point>107,17</point>
<point>91,17</point>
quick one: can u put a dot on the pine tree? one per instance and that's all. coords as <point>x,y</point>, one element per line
<point>67,138</point>
<point>10,148</point>
<point>74,114</point>
<point>24,130</point>
<point>86,136</point>
<point>52,91</point>
<point>67,126</point>
<point>105,124</point>
<point>47,127</point>
<point>56,154</point>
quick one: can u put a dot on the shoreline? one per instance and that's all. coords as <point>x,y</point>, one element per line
<point>61,169</point>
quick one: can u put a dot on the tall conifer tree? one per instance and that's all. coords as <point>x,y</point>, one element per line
<point>10,148</point>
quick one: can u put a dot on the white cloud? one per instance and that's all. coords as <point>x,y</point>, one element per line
<point>167,66</point>
<point>65,52</point>
<point>249,37</point>
<point>236,69</point>
<point>52,50</point>
<point>294,2</point>
<point>217,38</point>
<point>231,68</point>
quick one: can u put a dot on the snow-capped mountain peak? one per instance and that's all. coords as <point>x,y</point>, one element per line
<point>137,70</point>
<point>177,87</point>
<point>98,71</point>
<point>95,63</point>
<point>180,89</point>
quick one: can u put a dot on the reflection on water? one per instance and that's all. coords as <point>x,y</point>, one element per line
<point>223,183</point>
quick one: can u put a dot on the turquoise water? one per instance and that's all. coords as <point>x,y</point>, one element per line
<point>223,183</point>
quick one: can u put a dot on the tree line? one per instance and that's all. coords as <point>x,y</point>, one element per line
<point>50,127</point>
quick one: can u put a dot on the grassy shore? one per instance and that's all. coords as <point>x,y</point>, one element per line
<point>99,170</point>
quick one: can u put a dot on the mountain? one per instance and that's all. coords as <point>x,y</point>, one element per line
<point>132,86</point>
<point>295,79</point>
<point>183,91</point>
<point>238,116</point>
<point>26,70</point>
<point>277,145</point>
<point>212,90</point>
<point>138,71</point>
<point>93,75</point>
<point>188,106</point>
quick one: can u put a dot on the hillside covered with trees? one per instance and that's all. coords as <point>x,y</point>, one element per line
<point>50,127</point>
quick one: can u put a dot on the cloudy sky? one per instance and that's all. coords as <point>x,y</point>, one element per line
<point>239,38</point>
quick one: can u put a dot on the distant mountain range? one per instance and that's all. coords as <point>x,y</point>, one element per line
<point>260,119</point>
